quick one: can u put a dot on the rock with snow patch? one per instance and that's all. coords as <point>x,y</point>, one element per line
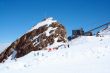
<point>46,34</point>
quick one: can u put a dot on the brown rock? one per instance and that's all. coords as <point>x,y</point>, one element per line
<point>27,43</point>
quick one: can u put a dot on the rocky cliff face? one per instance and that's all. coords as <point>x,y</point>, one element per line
<point>46,34</point>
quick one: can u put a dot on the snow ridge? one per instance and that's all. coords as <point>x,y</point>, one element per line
<point>47,22</point>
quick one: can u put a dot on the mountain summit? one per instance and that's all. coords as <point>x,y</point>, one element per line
<point>46,34</point>
<point>46,21</point>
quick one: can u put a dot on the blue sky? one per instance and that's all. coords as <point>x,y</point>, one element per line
<point>18,16</point>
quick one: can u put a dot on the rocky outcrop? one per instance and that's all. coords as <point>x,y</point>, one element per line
<point>36,39</point>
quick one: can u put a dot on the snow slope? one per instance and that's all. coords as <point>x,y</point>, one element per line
<point>86,54</point>
<point>47,22</point>
<point>105,31</point>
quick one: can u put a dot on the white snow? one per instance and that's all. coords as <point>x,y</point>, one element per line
<point>55,44</point>
<point>36,41</point>
<point>49,29</point>
<point>86,54</point>
<point>47,22</point>
<point>105,31</point>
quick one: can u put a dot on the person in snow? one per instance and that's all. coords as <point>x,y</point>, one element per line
<point>68,45</point>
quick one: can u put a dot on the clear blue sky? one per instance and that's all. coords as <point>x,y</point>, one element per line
<point>17,16</point>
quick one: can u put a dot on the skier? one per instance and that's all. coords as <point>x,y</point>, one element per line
<point>68,46</point>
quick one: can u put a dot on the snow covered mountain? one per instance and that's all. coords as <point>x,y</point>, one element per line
<point>86,54</point>
<point>48,34</point>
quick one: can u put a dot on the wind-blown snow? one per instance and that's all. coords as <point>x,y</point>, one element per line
<point>87,54</point>
<point>47,22</point>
